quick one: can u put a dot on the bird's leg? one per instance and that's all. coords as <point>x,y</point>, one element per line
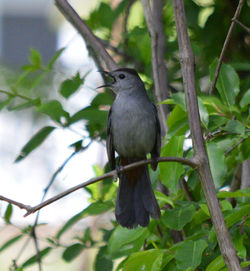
<point>118,172</point>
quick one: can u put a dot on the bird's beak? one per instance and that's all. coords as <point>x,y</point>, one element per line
<point>107,74</point>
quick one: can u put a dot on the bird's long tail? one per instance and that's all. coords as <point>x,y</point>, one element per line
<point>135,199</point>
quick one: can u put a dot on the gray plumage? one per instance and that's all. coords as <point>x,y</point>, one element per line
<point>133,132</point>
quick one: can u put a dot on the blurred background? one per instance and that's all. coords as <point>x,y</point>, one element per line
<point>37,24</point>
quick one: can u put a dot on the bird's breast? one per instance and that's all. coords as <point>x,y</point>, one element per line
<point>133,127</point>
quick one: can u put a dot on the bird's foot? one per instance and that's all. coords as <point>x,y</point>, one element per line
<point>118,173</point>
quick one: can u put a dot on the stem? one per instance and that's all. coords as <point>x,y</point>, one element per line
<point>188,72</point>
<point>225,45</point>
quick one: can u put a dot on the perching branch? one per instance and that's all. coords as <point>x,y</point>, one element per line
<point>95,47</point>
<point>242,25</point>
<point>225,45</point>
<point>113,173</point>
<point>153,16</point>
<point>188,72</point>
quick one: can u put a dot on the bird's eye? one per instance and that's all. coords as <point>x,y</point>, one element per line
<point>121,76</point>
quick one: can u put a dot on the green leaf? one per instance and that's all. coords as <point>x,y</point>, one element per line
<point>70,86</point>
<point>103,98</point>
<point>33,259</point>
<point>234,126</point>
<point>189,253</point>
<point>10,242</point>
<point>239,244</point>
<point>91,114</point>
<point>8,213</point>
<point>35,58</point>
<point>102,262</point>
<point>216,264</point>
<point>124,241</point>
<point>245,100</point>
<point>54,110</point>
<point>178,217</point>
<point>71,252</point>
<point>237,215</point>
<point>34,142</point>
<point>177,122</point>
<point>179,99</point>
<point>171,172</point>
<point>6,102</point>
<point>93,209</point>
<point>149,260</point>
<point>26,105</point>
<point>227,83</point>
<point>54,58</point>
<point>217,163</point>
<point>235,194</point>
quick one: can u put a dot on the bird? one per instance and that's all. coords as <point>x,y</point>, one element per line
<point>133,131</point>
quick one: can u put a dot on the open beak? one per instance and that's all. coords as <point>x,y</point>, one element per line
<point>107,74</point>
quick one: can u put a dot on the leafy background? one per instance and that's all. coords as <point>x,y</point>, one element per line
<point>184,238</point>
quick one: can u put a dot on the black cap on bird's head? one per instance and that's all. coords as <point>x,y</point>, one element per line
<point>123,79</point>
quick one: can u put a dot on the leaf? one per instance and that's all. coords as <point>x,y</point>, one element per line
<point>217,163</point>
<point>33,259</point>
<point>234,126</point>
<point>189,253</point>
<point>34,142</point>
<point>237,215</point>
<point>171,172</point>
<point>103,98</point>
<point>227,83</point>
<point>93,209</point>
<point>55,57</point>
<point>70,86</point>
<point>35,58</point>
<point>71,252</point>
<point>178,217</point>
<point>102,262</point>
<point>8,213</point>
<point>124,241</point>
<point>216,264</point>
<point>177,122</point>
<point>179,99</point>
<point>6,102</point>
<point>35,102</point>
<point>245,100</point>
<point>54,110</point>
<point>10,242</point>
<point>235,194</point>
<point>144,260</point>
<point>239,244</point>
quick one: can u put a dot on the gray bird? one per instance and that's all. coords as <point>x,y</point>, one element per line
<point>133,131</point>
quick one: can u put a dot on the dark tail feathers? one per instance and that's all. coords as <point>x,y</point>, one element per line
<point>134,204</point>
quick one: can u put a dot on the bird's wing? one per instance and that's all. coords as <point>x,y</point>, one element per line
<point>109,144</point>
<point>157,146</point>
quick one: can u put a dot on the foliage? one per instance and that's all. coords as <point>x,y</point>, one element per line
<point>184,238</point>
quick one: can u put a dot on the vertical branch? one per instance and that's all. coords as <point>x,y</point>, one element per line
<point>187,65</point>
<point>225,45</point>
<point>153,16</point>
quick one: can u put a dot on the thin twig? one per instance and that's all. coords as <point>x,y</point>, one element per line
<point>113,173</point>
<point>154,20</point>
<point>16,203</point>
<point>97,50</point>
<point>188,72</point>
<point>234,146</point>
<point>225,45</point>
<point>242,25</point>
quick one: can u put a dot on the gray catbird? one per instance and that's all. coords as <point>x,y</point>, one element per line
<point>133,131</point>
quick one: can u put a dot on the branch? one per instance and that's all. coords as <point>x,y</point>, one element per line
<point>153,16</point>
<point>96,48</point>
<point>113,173</point>
<point>188,72</point>
<point>242,25</point>
<point>225,45</point>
